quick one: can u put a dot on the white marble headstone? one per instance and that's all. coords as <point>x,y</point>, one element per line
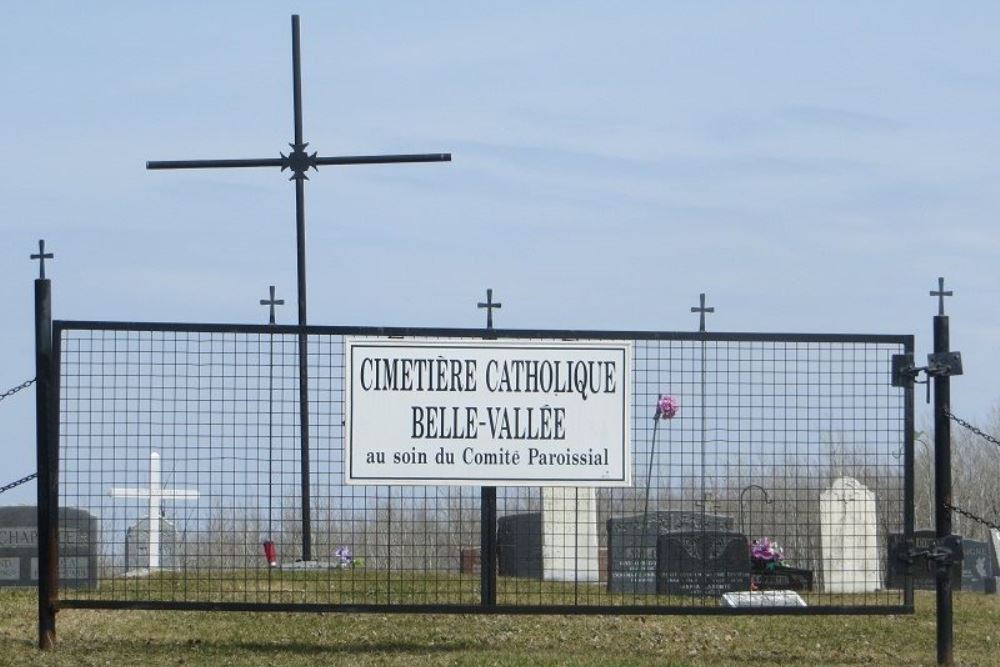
<point>849,538</point>
<point>569,534</point>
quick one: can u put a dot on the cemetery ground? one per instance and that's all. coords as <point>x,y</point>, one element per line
<point>87,637</point>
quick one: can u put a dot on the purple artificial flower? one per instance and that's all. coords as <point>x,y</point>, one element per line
<point>345,556</point>
<point>766,551</point>
<point>667,407</point>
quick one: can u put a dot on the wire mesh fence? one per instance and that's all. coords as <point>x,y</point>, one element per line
<point>785,467</point>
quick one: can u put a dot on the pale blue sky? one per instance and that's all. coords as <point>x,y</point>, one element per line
<point>811,166</point>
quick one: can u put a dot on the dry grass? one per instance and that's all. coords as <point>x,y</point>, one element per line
<point>189,638</point>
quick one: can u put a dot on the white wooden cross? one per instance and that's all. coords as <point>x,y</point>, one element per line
<point>155,494</point>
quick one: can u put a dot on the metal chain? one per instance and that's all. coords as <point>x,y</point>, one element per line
<point>964,424</point>
<point>23,480</point>
<point>23,385</point>
<point>970,515</point>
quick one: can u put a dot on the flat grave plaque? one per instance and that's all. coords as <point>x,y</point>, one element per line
<point>977,567</point>
<point>632,545</point>
<point>763,599</point>
<point>702,564</point>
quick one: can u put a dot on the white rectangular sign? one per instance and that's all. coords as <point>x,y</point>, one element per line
<point>487,413</point>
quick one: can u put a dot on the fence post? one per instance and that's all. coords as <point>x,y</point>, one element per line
<point>942,493</point>
<point>48,475</point>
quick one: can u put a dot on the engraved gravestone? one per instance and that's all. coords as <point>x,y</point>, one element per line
<point>848,524</point>
<point>632,544</point>
<point>702,564</point>
<point>19,547</point>
<point>977,567</point>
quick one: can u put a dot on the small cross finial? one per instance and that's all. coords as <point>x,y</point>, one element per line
<point>941,294</point>
<point>41,257</point>
<point>272,302</point>
<point>489,306</point>
<point>701,310</point>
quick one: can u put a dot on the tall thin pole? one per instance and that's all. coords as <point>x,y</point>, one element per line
<point>701,310</point>
<point>488,503</point>
<point>299,161</point>
<point>300,254</point>
<point>942,494</point>
<point>47,461</point>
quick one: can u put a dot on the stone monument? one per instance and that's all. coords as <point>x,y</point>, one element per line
<point>19,547</point>
<point>848,533</point>
<point>569,534</point>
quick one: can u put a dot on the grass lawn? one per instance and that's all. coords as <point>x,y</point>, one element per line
<point>188,638</point>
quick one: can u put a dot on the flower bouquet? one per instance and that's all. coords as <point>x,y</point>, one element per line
<point>766,554</point>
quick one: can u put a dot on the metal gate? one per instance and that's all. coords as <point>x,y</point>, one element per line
<point>788,465</point>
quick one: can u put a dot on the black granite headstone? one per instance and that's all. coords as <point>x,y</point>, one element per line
<point>977,567</point>
<point>519,545</point>
<point>19,547</point>
<point>632,544</point>
<point>702,564</point>
<point>923,570</point>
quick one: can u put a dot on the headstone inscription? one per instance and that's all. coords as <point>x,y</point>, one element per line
<point>782,579</point>
<point>977,567</point>
<point>19,547</point>
<point>569,534</point>
<point>924,571</point>
<point>702,564</point>
<point>763,599</point>
<point>632,544</point>
<point>848,533</point>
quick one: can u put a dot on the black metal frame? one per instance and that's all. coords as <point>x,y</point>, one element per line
<point>49,598</point>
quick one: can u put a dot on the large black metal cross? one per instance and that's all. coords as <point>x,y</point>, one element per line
<point>41,257</point>
<point>701,310</point>
<point>298,161</point>
<point>940,294</point>
<point>272,302</point>
<point>489,306</point>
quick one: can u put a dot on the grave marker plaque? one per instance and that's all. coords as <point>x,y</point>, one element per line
<point>702,564</point>
<point>977,567</point>
<point>632,545</point>
<point>519,545</point>
<point>19,547</point>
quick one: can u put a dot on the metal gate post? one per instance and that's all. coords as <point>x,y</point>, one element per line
<point>942,493</point>
<point>47,462</point>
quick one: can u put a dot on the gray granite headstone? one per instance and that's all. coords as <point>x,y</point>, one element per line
<point>923,571</point>
<point>977,567</point>
<point>19,547</point>
<point>702,564</point>
<point>632,544</point>
<point>519,545</point>
<point>137,545</point>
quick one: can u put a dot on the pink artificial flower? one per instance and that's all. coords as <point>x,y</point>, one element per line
<point>667,407</point>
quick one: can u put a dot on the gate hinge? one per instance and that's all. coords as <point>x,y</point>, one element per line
<point>944,364</point>
<point>945,552</point>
